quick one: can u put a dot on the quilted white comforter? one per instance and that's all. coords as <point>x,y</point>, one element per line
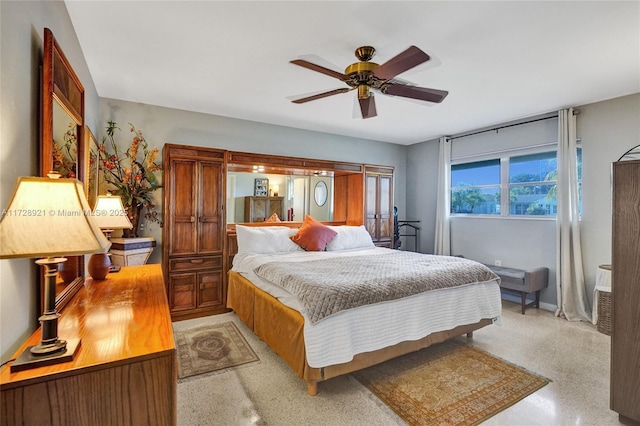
<point>327,286</point>
<point>337,338</point>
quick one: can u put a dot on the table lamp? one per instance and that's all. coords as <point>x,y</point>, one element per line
<point>48,217</point>
<point>109,214</point>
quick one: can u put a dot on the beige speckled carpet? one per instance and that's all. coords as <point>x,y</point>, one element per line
<point>449,384</point>
<point>210,348</point>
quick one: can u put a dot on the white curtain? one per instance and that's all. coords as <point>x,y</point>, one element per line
<point>572,295</point>
<point>442,244</point>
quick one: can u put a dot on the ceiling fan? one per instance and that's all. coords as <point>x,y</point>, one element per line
<point>366,75</point>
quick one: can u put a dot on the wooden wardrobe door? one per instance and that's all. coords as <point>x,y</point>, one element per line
<point>379,205</point>
<point>385,207</point>
<point>211,226</point>
<point>371,205</point>
<point>183,207</point>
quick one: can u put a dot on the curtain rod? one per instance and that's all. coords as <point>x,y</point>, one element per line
<point>502,151</point>
<point>495,129</point>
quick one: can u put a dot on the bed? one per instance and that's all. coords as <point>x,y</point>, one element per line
<point>319,333</point>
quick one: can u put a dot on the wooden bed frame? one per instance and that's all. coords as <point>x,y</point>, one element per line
<point>282,328</point>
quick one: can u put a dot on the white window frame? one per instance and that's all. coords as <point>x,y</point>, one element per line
<point>510,184</point>
<point>505,184</point>
<point>483,186</point>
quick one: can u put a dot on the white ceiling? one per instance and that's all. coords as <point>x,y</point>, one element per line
<point>500,61</point>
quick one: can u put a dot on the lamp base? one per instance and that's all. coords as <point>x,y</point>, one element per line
<point>27,360</point>
<point>49,348</point>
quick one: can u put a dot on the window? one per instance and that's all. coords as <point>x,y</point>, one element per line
<point>532,184</point>
<point>475,187</point>
<point>522,185</point>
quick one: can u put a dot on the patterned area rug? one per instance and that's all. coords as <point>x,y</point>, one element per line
<point>210,348</point>
<point>449,384</point>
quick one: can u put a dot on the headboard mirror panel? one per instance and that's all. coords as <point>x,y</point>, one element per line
<point>293,193</point>
<point>63,143</point>
<point>260,185</point>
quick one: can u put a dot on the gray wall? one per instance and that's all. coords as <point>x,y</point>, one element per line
<point>422,192</point>
<point>165,125</point>
<point>607,130</point>
<point>22,31</point>
<point>517,242</point>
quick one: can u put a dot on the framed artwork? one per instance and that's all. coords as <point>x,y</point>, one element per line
<point>92,185</point>
<point>261,187</point>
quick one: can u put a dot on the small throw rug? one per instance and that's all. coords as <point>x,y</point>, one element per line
<point>449,384</point>
<point>210,348</point>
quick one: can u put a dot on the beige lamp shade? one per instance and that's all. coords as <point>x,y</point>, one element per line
<point>49,217</point>
<point>109,213</point>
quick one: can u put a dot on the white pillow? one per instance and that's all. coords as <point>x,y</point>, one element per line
<point>349,238</point>
<point>265,239</point>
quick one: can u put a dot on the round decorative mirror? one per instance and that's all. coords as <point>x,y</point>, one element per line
<point>320,193</point>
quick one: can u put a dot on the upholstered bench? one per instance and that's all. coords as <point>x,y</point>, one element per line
<point>523,282</point>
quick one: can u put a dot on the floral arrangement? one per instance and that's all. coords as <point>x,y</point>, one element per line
<point>131,172</point>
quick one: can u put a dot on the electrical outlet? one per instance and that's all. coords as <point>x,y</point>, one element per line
<point>497,262</point>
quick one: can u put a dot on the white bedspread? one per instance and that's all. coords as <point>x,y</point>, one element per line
<point>338,338</point>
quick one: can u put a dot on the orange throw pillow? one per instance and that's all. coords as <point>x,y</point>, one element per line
<point>273,218</point>
<point>313,235</point>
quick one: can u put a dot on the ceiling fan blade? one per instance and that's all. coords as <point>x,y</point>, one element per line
<point>415,92</point>
<point>400,63</point>
<point>321,95</point>
<point>320,69</point>
<point>368,107</point>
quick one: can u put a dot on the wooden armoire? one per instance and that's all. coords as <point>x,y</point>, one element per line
<point>379,204</point>
<point>625,292</point>
<point>194,231</point>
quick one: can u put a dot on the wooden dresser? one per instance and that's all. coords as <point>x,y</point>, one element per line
<point>124,372</point>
